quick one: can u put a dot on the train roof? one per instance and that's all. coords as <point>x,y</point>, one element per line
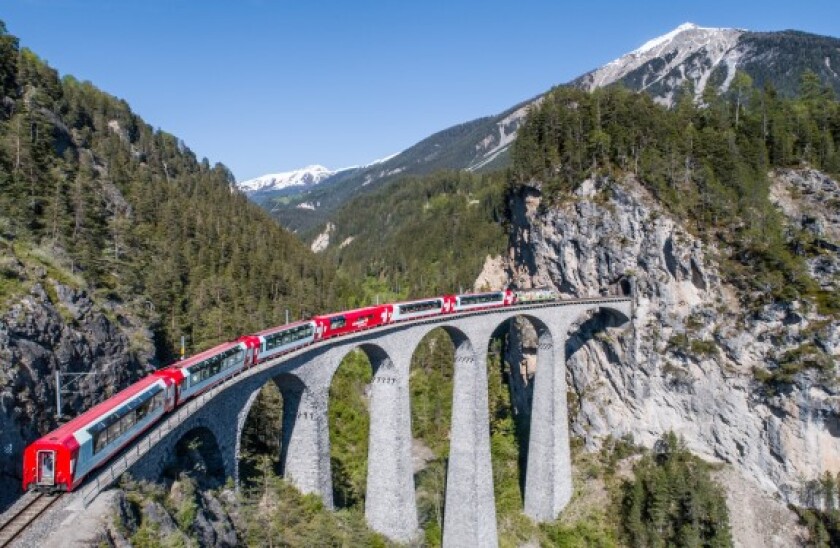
<point>354,311</point>
<point>95,412</point>
<point>427,299</point>
<point>201,356</point>
<point>283,327</point>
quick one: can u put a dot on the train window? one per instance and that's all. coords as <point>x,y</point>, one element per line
<point>419,307</point>
<point>113,432</point>
<point>127,422</point>
<point>215,365</point>
<point>143,410</point>
<point>99,441</point>
<point>288,336</point>
<point>482,298</point>
<point>337,322</point>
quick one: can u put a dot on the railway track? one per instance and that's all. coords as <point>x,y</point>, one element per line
<point>24,516</point>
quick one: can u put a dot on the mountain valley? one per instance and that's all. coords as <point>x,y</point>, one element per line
<point>701,169</point>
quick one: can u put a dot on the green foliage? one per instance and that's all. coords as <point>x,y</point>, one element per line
<point>261,435</point>
<point>430,383</point>
<point>707,163</point>
<point>186,511</point>
<point>821,515</point>
<point>424,236</point>
<point>791,362</point>
<point>673,502</point>
<point>349,419</point>
<point>280,516</point>
<point>107,202</point>
<point>586,533</point>
<point>508,441</point>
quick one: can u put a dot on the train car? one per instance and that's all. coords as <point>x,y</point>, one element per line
<point>534,295</point>
<point>202,371</point>
<point>477,301</point>
<point>342,323</point>
<point>411,310</point>
<point>60,460</point>
<point>280,339</point>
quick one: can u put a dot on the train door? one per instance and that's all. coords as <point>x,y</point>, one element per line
<point>254,344</point>
<point>46,467</point>
<point>169,397</point>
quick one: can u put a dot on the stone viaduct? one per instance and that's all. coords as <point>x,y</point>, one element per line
<point>304,378</point>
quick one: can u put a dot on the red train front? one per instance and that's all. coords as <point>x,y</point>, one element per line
<point>60,460</point>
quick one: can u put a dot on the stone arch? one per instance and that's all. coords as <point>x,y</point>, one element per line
<point>527,349</point>
<point>198,453</point>
<point>548,486</point>
<point>464,348</point>
<point>597,320</point>
<point>291,388</point>
<point>431,373</point>
<point>348,488</point>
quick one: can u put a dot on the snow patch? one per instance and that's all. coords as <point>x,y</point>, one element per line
<point>307,176</point>
<point>828,66</point>
<point>691,51</point>
<point>665,38</point>
<point>322,240</point>
<point>507,128</point>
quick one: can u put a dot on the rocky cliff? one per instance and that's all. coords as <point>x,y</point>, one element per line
<point>53,324</point>
<point>701,358</point>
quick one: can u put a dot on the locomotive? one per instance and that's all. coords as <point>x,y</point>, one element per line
<point>60,460</point>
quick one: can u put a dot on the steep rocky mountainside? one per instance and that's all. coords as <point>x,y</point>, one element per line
<point>694,359</point>
<point>688,55</point>
<point>56,325</point>
<point>704,57</point>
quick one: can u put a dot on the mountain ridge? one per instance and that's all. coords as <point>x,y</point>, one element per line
<point>661,67</point>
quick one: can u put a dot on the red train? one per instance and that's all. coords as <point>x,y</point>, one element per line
<point>61,460</point>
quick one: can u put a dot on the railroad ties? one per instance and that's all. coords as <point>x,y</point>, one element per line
<point>24,516</point>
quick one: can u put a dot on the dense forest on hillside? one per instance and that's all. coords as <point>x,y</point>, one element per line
<point>422,236</point>
<point>129,213</point>
<point>708,163</point>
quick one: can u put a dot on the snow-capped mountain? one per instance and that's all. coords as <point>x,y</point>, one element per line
<point>273,182</point>
<point>660,67</point>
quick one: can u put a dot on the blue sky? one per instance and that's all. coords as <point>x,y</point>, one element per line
<point>267,86</point>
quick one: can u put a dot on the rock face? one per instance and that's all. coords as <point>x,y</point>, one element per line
<point>688,363</point>
<point>52,327</point>
<point>190,505</point>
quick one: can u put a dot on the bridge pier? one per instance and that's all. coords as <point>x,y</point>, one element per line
<point>390,506</point>
<point>305,451</point>
<point>470,518</point>
<point>548,477</point>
